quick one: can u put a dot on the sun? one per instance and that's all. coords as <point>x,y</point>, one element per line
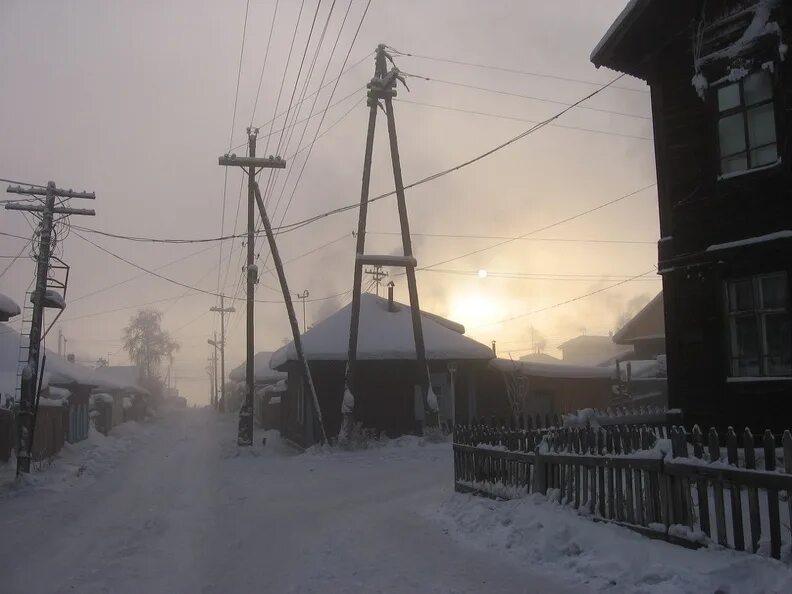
<point>475,309</point>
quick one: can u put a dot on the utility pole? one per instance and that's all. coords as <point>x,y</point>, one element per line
<point>42,297</point>
<point>215,344</point>
<point>302,297</point>
<point>383,88</point>
<point>378,275</point>
<point>222,310</point>
<point>249,164</point>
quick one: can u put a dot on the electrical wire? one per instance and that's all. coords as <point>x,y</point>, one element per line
<point>511,70</point>
<point>539,229</point>
<point>516,119</point>
<point>521,96</point>
<point>556,239</point>
<point>264,64</point>
<point>568,301</point>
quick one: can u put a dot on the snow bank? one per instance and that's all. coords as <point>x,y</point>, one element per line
<point>558,370</point>
<point>8,307</point>
<point>78,462</point>
<point>605,557</point>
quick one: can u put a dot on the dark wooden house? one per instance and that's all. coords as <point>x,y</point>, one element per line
<point>387,398</point>
<point>721,91</point>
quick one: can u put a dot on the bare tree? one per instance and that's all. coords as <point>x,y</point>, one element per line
<point>517,390</point>
<point>147,343</point>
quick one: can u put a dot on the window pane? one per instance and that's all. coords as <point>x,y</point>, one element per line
<point>732,134</point>
<point>764,156</point>
<point>779,357</point>
<point>745,345</point>
<point>761,125</point>
<point>774,292</point>
<point>728,97</point>
<point>741,295</point>
<point>734,164</point>
<point>757,87</point>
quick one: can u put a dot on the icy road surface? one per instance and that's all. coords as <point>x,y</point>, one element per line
<point>183,512</point>
<point>173,506</point>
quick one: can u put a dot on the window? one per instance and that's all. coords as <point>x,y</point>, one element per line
<point>761,336</point>
<point>746,124</point>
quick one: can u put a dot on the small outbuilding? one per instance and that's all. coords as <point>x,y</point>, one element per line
<point>387,396</point>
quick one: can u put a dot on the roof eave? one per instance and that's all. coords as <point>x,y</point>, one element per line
<point>606,51</point>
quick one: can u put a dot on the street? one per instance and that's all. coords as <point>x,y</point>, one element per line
<point>185,511</point>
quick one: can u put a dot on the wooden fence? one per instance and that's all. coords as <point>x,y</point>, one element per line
<point>665,483</point>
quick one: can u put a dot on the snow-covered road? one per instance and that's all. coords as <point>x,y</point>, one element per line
<point>182,511</point>
<point>173,506</point>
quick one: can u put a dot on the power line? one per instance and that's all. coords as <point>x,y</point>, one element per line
<point>578,298</point>
<point>516,119</point>
<point>231,137</point>
<point>264,64</point>
<point>522,96</point>
<point>539,276</point>
<point>289,227</point>
<point>329,100</point>
<point>15,236</point>
<point>13,261</point>
<point>540,229</point>
<point>183,285</point>
<point>20,183</point>
<point>513,71</point>
<point>551,239</point>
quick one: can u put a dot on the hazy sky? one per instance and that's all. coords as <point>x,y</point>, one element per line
<point>134,100</point>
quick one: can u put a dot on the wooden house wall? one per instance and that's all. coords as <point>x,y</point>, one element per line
<point>698,210</point>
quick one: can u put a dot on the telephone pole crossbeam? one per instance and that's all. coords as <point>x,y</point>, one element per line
<point>29,383</point>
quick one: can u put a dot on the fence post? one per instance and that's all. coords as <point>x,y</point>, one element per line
<point>540,469</point>
<point>772,497</point>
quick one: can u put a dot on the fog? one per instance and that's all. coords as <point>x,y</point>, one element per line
<point>134,101</point>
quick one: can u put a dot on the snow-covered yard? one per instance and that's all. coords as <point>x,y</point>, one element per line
<point>174,506</point>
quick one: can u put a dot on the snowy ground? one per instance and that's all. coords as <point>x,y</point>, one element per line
<point>174,507</point>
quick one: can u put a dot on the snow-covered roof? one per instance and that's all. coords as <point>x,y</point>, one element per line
<point>646,324</point>
<point>615,28</point>
<point>556,370</point>
<point>383,335</point>
<point>8,308</point>
<point>541,358</point>
<point>119,377</point>
<point>57,370</point>
<point>262,372</point>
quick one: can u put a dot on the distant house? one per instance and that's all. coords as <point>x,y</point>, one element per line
<point>645,331</point>
<point>721,87</point>
<point>387,398</point>
<point>263,377</point>
<point>128,399</point>
<point>592,350</point>
<point>543,389</point>
<point>540,358</point>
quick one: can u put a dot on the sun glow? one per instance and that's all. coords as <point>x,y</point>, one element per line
<point>475,309</point>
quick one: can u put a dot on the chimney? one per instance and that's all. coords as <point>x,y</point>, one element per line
<point>391,306</point>
<point>494,352</point>
<point>70,357</point>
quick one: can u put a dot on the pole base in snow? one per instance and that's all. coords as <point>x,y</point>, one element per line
<point>245,433</point>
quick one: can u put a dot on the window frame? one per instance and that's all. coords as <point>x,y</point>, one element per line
<point>759,313</point>
<point>743,109</point>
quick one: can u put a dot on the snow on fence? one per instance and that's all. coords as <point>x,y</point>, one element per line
<point>665,483</point>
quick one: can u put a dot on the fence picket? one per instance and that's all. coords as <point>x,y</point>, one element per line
<point>601,473</point>
<point>717,487</point>
<point>753,493</point>
<point>734,490</point>
<point>786,442</point>
<point>702,485</point>
<point>772,497</point>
